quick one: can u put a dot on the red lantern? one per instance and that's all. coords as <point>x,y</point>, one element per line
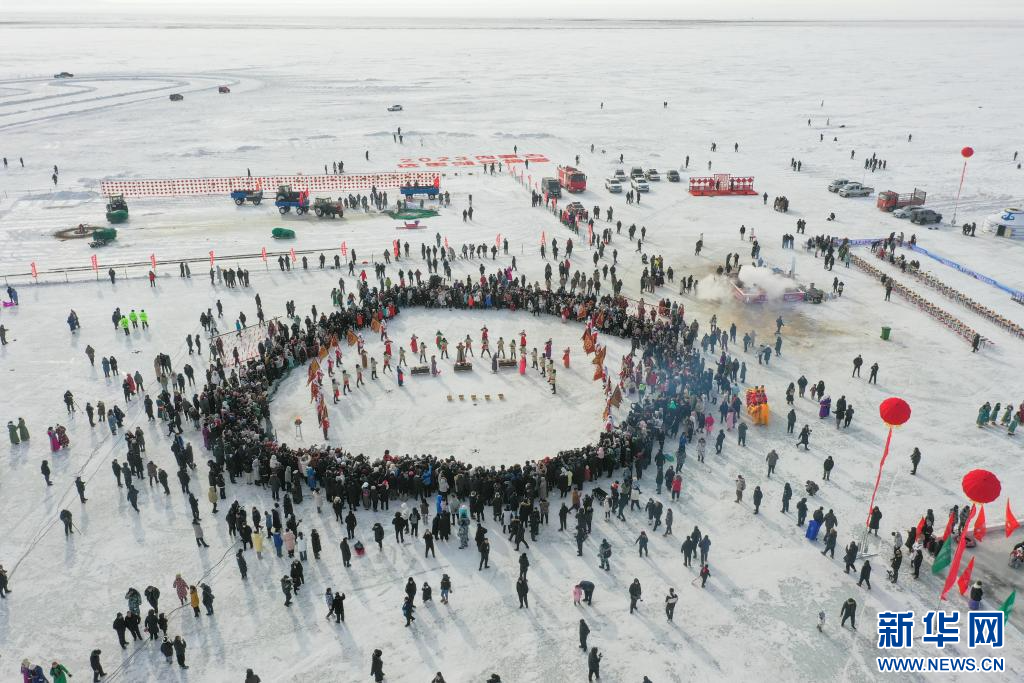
<point>967,152</point>
<point>894,411</point>
<point>981,486</point>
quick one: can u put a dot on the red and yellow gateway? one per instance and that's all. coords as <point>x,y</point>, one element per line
<point>572,179</point>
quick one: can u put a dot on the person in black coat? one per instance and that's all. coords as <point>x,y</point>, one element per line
<point>346,553</point>
<point>121,628</point>
<point>849,611</point>
<point>635,593</point>
<point>97,667</point>
<point>428,544</point>
<point>179,645</point>
<point>167,650</point>
<point>338,607</point>
<point>410,589</point>
<point>916,562</point>
<point>523,590</point>
<point>314,541</point>
<point>152,625</point>
<point>524,565</point>
<point>132,622</point>
<point>377,666</point>
<point>584,632</point>
<point>243,568</point>
<point>588,591</point>
<point>850,556</point>
<point>865,574</point>
<point>594,664</point>
<point>876,517</point>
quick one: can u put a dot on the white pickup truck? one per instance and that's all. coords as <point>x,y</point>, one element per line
<point>855,190</point>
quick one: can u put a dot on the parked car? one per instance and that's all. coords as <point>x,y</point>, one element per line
<point>640,184</point>
<point>395,107</point>
<point>620,175</point>
<point>653,175</point>
<point>907,211</point>
<point>673,176</point>
<point>925,216</point>
<point>855,190</point>
<point>613,185</point>
<point>223,89</point>
<point>836,184</point>
<point>64,74</point>
<point>636,172</point>
<point>177,97</point>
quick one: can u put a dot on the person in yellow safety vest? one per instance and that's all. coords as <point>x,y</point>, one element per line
<point>124,325</point>
<point>134,317</point>
<point>144,319</point>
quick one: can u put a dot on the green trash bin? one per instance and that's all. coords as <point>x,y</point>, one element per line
<point>886,331</point>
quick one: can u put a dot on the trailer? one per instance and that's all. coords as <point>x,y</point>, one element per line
<point>572,179</point>
<point>412,190</point>
<point>287,199</point>
<point>890,201</point>
<point>242,196</point>
<point>721,184</point>
<point>102,237</point>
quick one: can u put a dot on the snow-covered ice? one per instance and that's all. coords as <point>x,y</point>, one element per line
<point>308,94</point>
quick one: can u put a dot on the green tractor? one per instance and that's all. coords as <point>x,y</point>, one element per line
<point>117,209</point>
<point>325,206</point>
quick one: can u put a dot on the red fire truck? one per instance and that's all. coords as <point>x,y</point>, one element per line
<point>890,201</point>
<point>572,179</point>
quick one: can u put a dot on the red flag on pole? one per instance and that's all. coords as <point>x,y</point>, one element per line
<point>979,526</point>
<point>920,525</point>
<point>543,237</point>
<point>396,247</point>
<point>965,579</point>
<point>954,567</point>
<point>95,262</point>
<point>292,251</point>
<point>211,258</point>
<point>263,254</point>
<point>152,259</point>
<point>1011,521</point>
<point>344,249</point>
<point>35,273</point>
<point>949,526</point>
<point>445,242</point>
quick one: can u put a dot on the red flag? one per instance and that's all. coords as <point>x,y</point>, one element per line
<point>949,527</point>
<point>965,579</point>
<point>954,567</point>
<point>35,273</point>
<point>979,526</point>
<point>344,249</point>
<point>264,253</point>
<point>152,259</point>
<point>1011,521</point>
<point>920,525</point>
<point>543,237</point>
<point>211,258</point>
<point>445,242</point>
<point>95,262</point>
<point>292,250</point>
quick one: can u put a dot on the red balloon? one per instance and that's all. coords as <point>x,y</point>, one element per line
<point>894,411</point>
<point>967,152</point>
<point>981,486</point>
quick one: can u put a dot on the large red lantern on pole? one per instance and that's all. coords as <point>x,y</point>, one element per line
<point>980,486</point>
<point>966,153</point>
<point>894,413</point>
